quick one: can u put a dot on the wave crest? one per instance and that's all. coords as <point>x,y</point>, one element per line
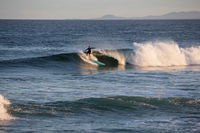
<point>165,54</point>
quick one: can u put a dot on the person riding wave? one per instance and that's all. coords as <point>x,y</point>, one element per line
<point>88,51</point>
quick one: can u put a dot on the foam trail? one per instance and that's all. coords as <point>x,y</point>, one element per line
<point>164,54</point>
<point>3,111</point>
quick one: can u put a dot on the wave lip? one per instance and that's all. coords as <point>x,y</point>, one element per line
<point>4,103</point>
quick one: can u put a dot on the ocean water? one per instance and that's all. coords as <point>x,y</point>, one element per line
<point>150,83</point>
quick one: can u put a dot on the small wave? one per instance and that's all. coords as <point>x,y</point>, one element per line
<point>4,103</point>
<point>128,104</point>
<point>56,57</point>
<point>57,60</point>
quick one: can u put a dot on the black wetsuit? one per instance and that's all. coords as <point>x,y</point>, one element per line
<point>88,51</point>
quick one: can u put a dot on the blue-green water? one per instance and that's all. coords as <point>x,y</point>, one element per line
<point>150,82</point>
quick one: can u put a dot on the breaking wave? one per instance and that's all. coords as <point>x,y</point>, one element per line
<point>152,54</point>
<point>4,103</point>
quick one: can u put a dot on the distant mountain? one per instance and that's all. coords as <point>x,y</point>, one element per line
<point>109,16</point>
<point>172,15</point>
<point>176,15</point>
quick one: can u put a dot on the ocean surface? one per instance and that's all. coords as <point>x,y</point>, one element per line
<point>150,83</point>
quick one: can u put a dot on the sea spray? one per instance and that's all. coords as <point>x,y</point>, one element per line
<point>164,54</point>
<point>4,115</point>
<point>192,55</point>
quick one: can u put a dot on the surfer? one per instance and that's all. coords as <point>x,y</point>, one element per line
<point>88,51</point>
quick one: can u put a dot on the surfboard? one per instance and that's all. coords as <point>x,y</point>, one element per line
<point>92,60</point>
<point>97,62</point>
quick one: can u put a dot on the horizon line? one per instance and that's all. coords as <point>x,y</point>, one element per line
<point>122,18</point>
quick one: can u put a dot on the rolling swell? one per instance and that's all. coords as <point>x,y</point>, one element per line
<point>117,104</point>
<point>70,58</point>
<point>45,59</point>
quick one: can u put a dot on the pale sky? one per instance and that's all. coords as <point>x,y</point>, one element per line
<point>85,9</point>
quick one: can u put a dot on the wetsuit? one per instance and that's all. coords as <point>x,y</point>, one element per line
<point>88,51</point>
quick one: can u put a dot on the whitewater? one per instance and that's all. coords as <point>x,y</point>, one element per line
<point>165,54</point>
<point>4,104</point>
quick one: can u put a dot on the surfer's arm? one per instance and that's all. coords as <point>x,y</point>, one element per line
<point>85,51</point>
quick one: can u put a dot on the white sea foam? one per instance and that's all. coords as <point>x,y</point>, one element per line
<point>164,54</point>
<point>4,115</point>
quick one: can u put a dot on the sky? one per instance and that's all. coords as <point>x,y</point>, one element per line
<point>88,9</point>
